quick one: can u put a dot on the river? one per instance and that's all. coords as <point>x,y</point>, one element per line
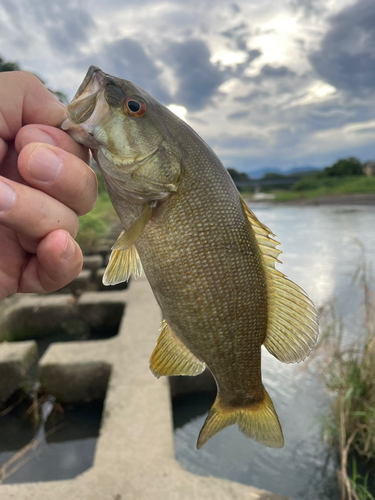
<point>320,253</point>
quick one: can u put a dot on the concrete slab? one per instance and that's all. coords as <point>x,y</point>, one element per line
<point>15,360</point>
<point>35,315</point>
<point>80,283</point>
<point>101,308</point>
<point>92,262</point>
<point>76,371</point>
<point>134,457</point>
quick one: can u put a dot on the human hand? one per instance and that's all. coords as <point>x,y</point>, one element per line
<point>45,183</point>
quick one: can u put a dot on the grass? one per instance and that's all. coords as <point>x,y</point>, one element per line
<point>94,226</point>
<point>348,372</point>
<point>328,186</point>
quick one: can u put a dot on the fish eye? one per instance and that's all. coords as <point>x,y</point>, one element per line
<point>133,107</point>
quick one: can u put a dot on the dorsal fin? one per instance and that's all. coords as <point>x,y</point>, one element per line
<point>292,325</point>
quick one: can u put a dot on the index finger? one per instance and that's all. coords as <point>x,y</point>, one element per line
<point>25,100</point>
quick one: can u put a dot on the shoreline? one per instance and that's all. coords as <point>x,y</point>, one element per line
<point>347,199</point>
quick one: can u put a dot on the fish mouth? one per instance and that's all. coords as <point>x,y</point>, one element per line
<point>86,108</point>
<point>92,82</point>
<point>84,102</point>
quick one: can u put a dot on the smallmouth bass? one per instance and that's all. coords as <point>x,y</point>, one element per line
<point>209,260</point>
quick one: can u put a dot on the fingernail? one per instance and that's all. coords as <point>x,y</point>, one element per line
<point>69,249</point>
<point>44,165</point>
<point>7,197</point>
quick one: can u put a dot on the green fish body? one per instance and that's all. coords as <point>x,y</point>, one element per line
<point>209,261</point>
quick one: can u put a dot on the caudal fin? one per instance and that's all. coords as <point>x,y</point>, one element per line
<point>258,422</point>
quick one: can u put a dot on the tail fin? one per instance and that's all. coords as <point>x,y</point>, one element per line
<point>258,422</point>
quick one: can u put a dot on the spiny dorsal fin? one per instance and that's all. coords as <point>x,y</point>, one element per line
<point>172,357</point>
<point>292,327</point>
<point>122,263</point>
<point>129,237</point>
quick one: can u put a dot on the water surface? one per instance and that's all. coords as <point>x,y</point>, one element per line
<point>320,253</point>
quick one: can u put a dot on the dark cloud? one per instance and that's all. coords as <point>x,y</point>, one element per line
<point>239,69</point>
<point>198,79</point>
<point>309,7</point>
<point>239,115</point>
<point>127,59</point>
<point>252,96</point>
<point>69,32</point>
<point>239,34</point>
<point>346,58</point>
<point>269,71</point>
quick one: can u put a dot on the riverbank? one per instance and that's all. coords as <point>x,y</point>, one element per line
<point>347,199</point>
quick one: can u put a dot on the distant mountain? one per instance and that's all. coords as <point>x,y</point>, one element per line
<point>256,174</point>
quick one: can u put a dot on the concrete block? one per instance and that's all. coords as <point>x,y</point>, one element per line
<point>15,360</point>
<point>35,315</point>
<point>75,371</point>
<point>134,456</point>
<point>92,262</point>
<point>81,282</point>
<point>100,308</point>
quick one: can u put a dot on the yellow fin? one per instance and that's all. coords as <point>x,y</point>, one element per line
<point>172,357</point>
<point>292,327</point>
<point>258,422</point>
<point>122,263</point>
<point>129,237</point>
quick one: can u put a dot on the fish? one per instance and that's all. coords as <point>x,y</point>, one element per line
<point>209,260</point>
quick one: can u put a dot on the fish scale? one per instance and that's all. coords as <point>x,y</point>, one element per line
<point>210,262</point>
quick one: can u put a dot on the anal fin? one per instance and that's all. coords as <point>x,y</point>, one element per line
<point>172,357</point>
<point>122,263</point>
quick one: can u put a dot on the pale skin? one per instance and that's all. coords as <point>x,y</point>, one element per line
<point>45,184</point>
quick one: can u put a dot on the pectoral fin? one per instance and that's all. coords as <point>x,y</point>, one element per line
<point>292,327</point>
<point>124,259</point>
<point>122,263</point>
<point>172,357</point>
<point>129,237</point>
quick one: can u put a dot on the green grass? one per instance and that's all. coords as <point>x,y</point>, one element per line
<point>348,372</point>
<point>95,225</point>
<point>328,186</point>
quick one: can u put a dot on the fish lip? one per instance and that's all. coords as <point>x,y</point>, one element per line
<point>94,76</point>
<point>91,85</point>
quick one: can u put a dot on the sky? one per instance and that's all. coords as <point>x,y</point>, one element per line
<point>266,83</point>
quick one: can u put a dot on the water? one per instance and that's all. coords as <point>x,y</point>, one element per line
<point>60,447</point>
<point>320,253</point>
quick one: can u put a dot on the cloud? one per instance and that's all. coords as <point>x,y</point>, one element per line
<point>269,71</point>
<point>239,115</point>
<point>346,58</point>
<point>239,35</point>
<point>252,96</point>
<point>128,59</point>
<point>198,79</point>
<point>309,7</point>
<point>70,31</point>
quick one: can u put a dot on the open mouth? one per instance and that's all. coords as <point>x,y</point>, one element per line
<point>84,102</point>
<point>92,82</point>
